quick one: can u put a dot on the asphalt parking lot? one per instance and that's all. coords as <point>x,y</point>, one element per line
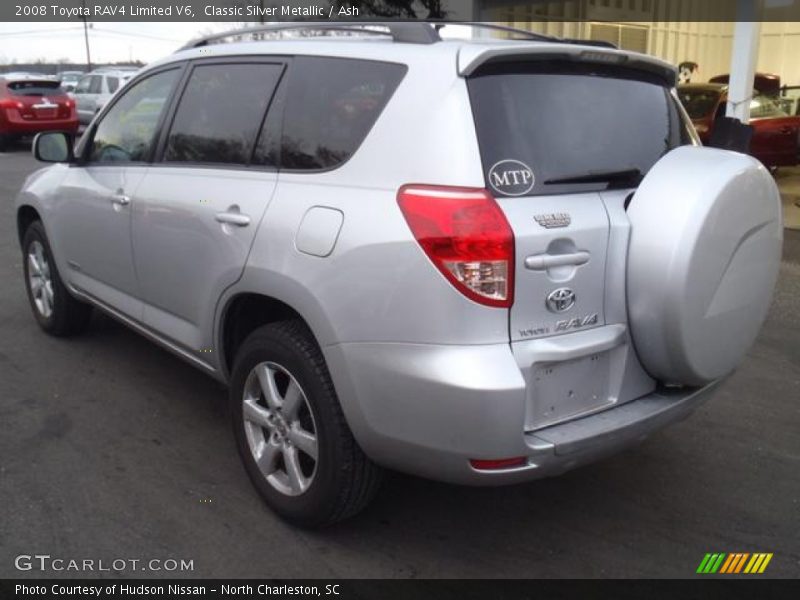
<point>112,448</point>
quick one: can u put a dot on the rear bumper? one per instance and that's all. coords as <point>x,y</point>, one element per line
<point>30,127</point>
<point>569,445</point>
<point>427,410</point>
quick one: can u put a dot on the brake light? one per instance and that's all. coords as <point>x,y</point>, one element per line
<point>9,103</point>
<point>466,236</point>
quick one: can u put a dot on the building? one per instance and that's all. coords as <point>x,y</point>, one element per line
<point>678,31</point>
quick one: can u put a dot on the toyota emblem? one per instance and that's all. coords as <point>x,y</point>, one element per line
<point>560,300</point>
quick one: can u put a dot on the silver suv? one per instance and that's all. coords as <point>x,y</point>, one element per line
<point>481,262</point>
<point>92,91</point>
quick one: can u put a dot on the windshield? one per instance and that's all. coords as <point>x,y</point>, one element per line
<point>698,103</point>
<point>764,106</point>
<point>559,127</point>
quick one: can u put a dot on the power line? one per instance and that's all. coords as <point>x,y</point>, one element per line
<point>93,28</point>
<point>41,32</point>
<point>141,35</point>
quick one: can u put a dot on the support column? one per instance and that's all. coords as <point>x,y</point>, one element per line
<point>746,36</point>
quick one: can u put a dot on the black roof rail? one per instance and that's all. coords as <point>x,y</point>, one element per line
<point>407,32</point>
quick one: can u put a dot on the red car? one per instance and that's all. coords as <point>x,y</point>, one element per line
<point>776,135</point>
<point>29,105</point>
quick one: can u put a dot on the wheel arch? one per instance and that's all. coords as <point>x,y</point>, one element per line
<point>244,312</point>
<point>26,214</point>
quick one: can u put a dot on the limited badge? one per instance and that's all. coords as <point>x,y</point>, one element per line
<point>511,178</point>
<point>553,220</point>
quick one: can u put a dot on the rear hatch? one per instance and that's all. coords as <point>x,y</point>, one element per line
<point>564,143</point>
<point>555,137</point>
<point>40,100</point>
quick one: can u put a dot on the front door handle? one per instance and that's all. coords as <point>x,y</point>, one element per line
<point>542,262</point>
<point>120,199</point>
<point>233,218</point>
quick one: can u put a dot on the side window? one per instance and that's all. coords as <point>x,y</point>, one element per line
<point>96,84</point>
<point>127,131</point>
<point>220,113</point>
<point>331,106</point>
<point>764,106</point>
<point>112,83</point>
<point>83,85</point>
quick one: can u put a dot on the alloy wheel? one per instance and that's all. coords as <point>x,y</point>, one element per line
<point>280,428</point>
<point>40,280</point>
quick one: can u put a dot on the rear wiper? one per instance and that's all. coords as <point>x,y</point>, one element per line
<point>633,176</point>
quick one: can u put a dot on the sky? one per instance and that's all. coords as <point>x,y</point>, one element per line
<point>108,42</point>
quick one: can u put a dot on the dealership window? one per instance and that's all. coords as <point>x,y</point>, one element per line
<point>626,37</point>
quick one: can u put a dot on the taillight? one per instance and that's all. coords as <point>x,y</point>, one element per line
<point>10,103</point>
<point>466,236</point>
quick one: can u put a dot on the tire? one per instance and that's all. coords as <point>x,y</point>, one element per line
<point>285,358</point>
<point>55,309</point>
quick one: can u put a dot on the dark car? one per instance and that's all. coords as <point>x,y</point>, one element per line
<point>765,83</point>
<point>30,104</point>
<point>776,134</point>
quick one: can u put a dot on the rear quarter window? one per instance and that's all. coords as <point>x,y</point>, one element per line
<point>331,105</point>
<point>538,123</point>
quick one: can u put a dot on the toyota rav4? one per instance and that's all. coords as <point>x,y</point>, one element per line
<point>478,261</point>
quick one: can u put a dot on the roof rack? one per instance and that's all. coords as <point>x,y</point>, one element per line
<point>410,33</point>
<point>413,32</point>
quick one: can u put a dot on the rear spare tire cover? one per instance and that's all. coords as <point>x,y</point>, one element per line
<point>704,255</point>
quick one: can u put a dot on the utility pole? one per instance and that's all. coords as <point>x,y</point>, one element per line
<point>86,38</point>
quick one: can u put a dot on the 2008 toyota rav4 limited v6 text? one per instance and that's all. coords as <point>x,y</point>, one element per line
<point>481,262</point>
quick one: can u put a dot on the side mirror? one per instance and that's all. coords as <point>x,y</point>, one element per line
<point>53,146</point>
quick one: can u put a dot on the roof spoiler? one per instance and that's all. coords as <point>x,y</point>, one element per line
<point>470,58</point>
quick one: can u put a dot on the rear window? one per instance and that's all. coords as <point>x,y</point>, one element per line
<point>558,127</point>
<point>698,103</point>
<point>331,106</point>
<point>35,88</point>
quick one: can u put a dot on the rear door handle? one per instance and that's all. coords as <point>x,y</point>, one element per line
<point>120,199</point>
<point>542,262</point>
<point>233,218</point>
